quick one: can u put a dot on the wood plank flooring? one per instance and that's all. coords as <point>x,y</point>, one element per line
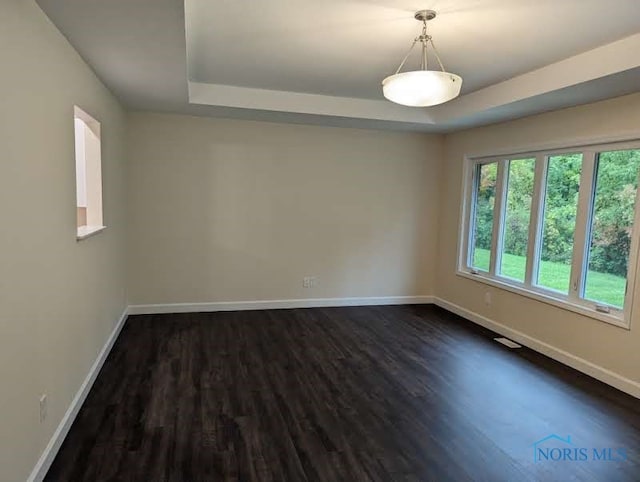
<point>408,393</point>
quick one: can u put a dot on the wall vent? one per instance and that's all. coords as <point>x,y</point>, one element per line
<point>507,342</point>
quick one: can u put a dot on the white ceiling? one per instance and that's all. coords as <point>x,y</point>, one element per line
<point>322,62</point>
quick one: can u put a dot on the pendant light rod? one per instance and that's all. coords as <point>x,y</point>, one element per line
<point>423,40</point>
<point>435,51</point>
<point>406,56</point>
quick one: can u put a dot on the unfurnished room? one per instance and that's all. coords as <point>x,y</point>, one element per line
<point>342,240</point>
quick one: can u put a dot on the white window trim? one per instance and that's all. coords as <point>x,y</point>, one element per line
<point>85,232</point>
<point>571,302</point>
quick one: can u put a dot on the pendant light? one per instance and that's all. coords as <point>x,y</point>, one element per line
<point>422,88</point>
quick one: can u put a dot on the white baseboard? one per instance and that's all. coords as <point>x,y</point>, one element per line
<point>276,304</point>
<point>46,459</point>
<point>607,376</point>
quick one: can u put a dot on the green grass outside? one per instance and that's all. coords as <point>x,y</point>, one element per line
<point>601,287</point>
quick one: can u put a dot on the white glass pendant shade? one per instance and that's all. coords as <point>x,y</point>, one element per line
<point>422,88</point>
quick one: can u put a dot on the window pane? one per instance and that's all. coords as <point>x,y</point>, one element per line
<point>612,218</point>
<point>486,176</point>
<point>559,221</point>
<point>516,218</point>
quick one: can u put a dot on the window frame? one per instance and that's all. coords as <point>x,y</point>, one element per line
<point>573,301</point>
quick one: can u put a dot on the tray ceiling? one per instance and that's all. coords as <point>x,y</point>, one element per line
<point>322,62</point>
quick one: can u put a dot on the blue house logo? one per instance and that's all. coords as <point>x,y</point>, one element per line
<point>554,448</point>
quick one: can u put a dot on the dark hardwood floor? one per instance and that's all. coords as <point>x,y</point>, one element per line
<point>368,393</point>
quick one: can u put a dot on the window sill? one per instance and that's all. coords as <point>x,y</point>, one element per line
<point>85,232</point>
<point>551,300</point>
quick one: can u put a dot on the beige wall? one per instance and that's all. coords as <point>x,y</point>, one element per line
<point>224,210</point>
<point>59,299</point>
<point>611,347</point>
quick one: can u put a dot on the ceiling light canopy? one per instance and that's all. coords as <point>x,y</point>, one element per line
<point>422,88</point>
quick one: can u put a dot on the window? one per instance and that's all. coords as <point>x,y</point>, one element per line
<point>613,203</point>
<point>559,221</point>
<point>515,229</point>
<point>486,176</point>
<point>88,175</point>
<point>557,226</point>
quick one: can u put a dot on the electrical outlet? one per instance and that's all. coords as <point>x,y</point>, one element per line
<point>43,407</point>
<point>309,282</point>
<point>487,298</point>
